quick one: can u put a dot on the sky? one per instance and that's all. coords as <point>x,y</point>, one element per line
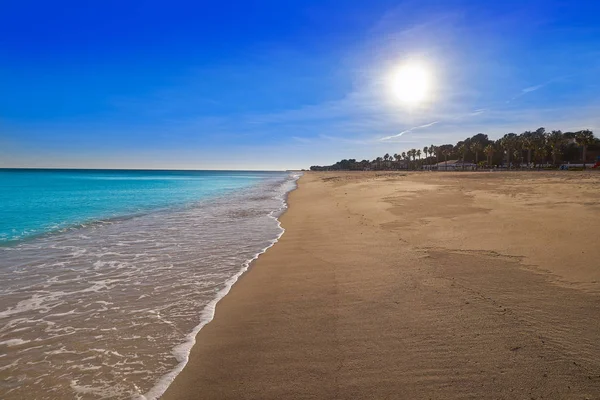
<point>283,84</point>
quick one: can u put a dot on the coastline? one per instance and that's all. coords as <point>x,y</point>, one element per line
<point>141,283</point>
<point>182,351</point>
<point>391,285</point>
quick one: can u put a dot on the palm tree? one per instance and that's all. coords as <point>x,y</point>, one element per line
<point>539,136</point>
<point>528,141</point>
<point>431,151</point>
<point>425,152</point>
<point>419,155</point>
<point>462,150</point>
<point>539,144</point>
<point>518,150</point>
<point>476,148</point>
<point>508,144</point>
<point>540,131</point>
<point>489,152</point>
<point>386,157</point>
<point>516,154</point>
<point>541,152</point>
<point>555,140</point>
<point>414,156</point>
<point>584,138</point>
<point>446,153</point>
<point>437,151</point>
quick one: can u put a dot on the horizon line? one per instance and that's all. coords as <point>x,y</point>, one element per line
<point>139,169</point>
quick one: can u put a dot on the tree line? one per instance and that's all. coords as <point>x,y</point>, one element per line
<point>530,149</point>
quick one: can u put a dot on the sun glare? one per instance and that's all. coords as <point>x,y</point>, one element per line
<point>412,83</point>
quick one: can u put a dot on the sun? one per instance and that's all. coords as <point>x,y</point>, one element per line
<point>412,83</point>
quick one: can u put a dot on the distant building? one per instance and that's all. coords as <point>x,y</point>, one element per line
<point>451,165</point>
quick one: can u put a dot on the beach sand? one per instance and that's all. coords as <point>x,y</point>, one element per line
<point>415,286</point>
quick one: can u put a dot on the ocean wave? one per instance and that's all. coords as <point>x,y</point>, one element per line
<point>183,350</point>
<point>128,298</point>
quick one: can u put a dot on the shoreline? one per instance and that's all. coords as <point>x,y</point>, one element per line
<point>60,228</point>
<point>208,312</point>
<point>394,285</point>
<point>144,286</point>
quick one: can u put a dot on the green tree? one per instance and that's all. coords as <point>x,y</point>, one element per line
<point>444,150</point>
<point>584,138</point>
<point>476,147</point>
<point>413,154</point>
<point>489,152</point>
<point>516,155</point>
<point>435,151</point>
<point>462,151</point>
<point>540,131</point>
<point>541,152</point>
<point>518,150</point>
<point>507,143</point>
<point>528,142</point>
<point>555,140</point>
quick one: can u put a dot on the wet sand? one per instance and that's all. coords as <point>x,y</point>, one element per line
<point>415,286</point>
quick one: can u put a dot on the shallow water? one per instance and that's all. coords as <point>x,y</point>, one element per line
<point>110,309</point>
<point>34,202</point>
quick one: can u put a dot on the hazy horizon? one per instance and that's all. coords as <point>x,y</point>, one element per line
<point>278,86</point>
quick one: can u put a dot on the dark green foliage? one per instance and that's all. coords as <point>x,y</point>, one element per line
<point>538,149</point>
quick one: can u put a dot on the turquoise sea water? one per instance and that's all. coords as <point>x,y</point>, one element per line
<point>34,202</point>
<point>106,276</point>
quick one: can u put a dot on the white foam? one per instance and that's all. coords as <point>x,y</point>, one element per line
<point>35,302</point>
<point>30,348</point>
<point>182,351</point>
<point>108,352</point>
<point>129,312</point>
<point>13,364</point>
<point>14,342</point>
<point>85,368</point>
<point>104,392</point>
<point>62,350</point>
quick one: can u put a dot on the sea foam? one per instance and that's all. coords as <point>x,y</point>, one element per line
<point>112,310</point>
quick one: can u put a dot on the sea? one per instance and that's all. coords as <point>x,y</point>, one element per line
<point>106,276</point>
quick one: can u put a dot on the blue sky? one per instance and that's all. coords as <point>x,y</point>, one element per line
<point>282,84</point>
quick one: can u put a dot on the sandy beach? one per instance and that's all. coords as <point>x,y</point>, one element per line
<point>415,286</point>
